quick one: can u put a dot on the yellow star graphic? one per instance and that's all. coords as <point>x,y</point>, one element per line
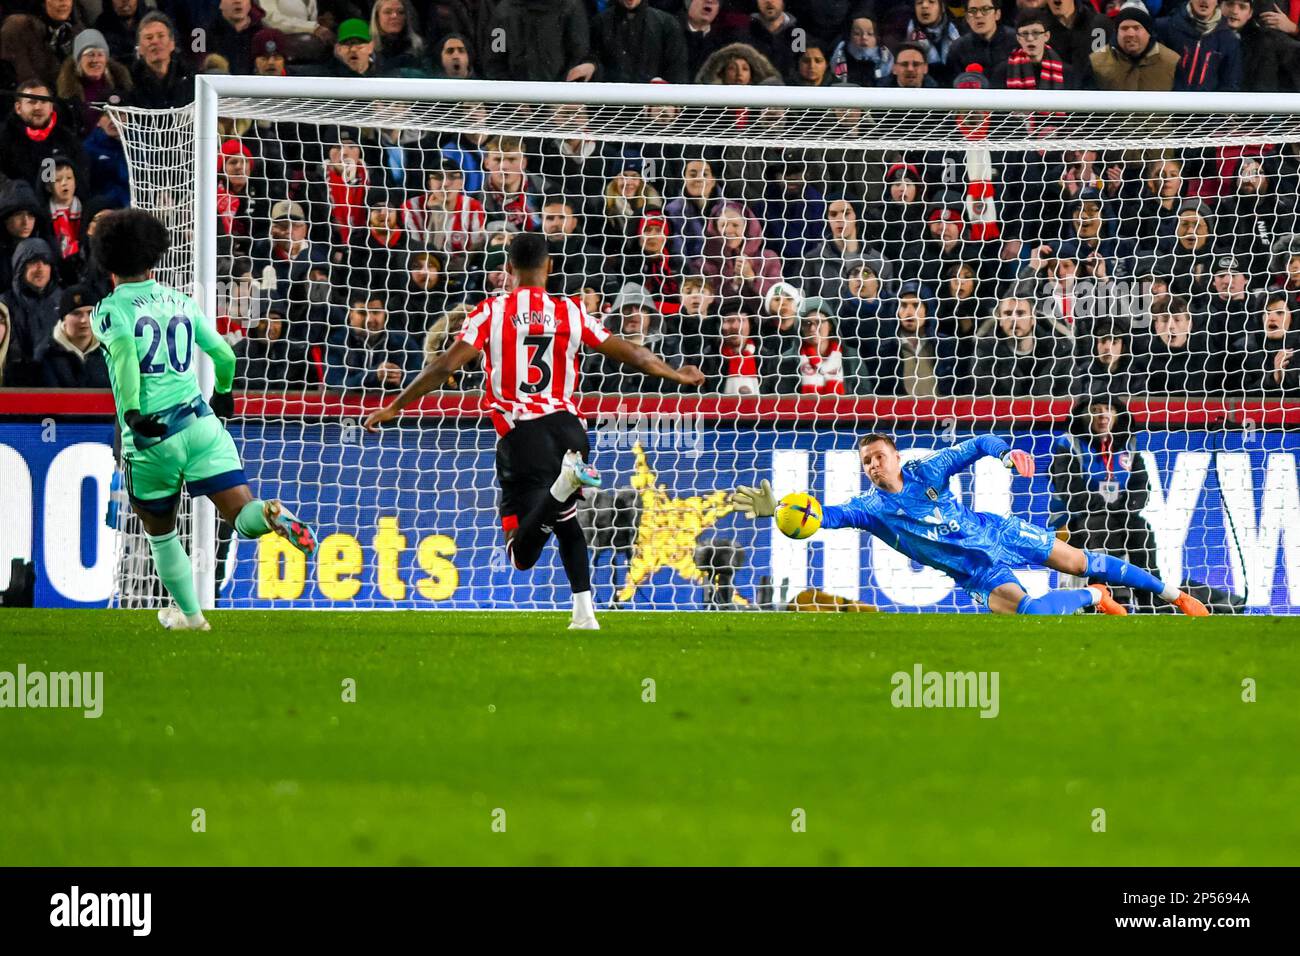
<point>669,527</point>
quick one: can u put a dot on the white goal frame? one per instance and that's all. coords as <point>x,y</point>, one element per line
<point>211,90</point>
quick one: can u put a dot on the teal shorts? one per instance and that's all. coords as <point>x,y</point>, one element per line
<point>202,456</point>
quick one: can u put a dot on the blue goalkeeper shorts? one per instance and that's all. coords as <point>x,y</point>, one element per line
<point>1014,544</point>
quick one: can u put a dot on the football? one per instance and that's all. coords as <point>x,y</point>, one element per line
<point>798,515</point>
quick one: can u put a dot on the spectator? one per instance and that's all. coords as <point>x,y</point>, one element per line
<point>700,33</point>
<point>347,180</point>
<point>793,209</point>
<point>495,278</point>
<point>628,197</point>
<point>1134,60</point>
<point>1285,264</point>
<point>5,338</point>
<point>422,292</point>
<point>1019,355</point>
<point>866,301</point>
<point>1035,64</point>
<point>22,216</point>
<point>772,34</point>
<point>934,32</point>
<point>822,360</point>
<point>240,203</point>
<point>734,253</point>
<point>446,218</point>
<point>697,325</point>
<point>283,263</point>
<point>307,27</point>
<point>160,78</point>
<point>1209,50</point>
<point>779,336</point>
<point>1270,59</point>
<point>1160,201</point>
<point>1110,369</point>
<point>1188,258</point>
<point>1176,350</point>
<point>230,34</point>
<point>88,78</point>
<point>635,43</point>
<point>911,71</point>
<point>737,367</point>
<point>687,213</point>
<point>398,45</point>
<point>110,177</point>
<point>1248,219</point>
<point>442,333</point>
<point>944,246</point>
<point>1272,366</point>
<point>118,24</point>
<point>65,220</point>
<point>989,43</point>
<point>35,134</point>
<point>546,41</point>
<point>38,43</point>
<point>366,354</point>
<point>1101,255</point>
<point>1099,482</point>
<point>574,264</point>
<point>510,194</point>
<point>960,311</point>
<point>640,322</point>
<point>823,264</point>
<point>737,64</point>
<point>901,217</point>
<point>354,53</point>
<point>266,359</point>
<point>1077,31</point>
<point>32,306</point>
<point>906,361</point>
<point>453,59</point>
<point>648,261</point>
<point>377,257</point>
<point>861,58</point>
<point>71,356</point>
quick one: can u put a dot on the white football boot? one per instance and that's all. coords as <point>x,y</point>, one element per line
<point>174,619</point>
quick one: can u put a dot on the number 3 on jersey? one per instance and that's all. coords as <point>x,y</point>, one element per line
<point>539,358</point>
<point>180,344</point>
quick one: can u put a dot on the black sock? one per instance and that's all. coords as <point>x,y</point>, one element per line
<point>573,550</point>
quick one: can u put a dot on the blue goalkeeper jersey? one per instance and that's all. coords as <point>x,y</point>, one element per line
<point>924,520</point>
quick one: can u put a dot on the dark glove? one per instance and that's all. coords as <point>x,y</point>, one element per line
<point>222,404</point>
<point>147,426</point>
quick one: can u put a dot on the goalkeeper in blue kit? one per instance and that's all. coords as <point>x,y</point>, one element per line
<point>911,508</point>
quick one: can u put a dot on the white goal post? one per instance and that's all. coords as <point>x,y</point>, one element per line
<point>1217,460</point>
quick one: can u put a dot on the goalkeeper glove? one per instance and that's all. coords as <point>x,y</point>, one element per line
<point>757,502</point>
<point>222,404</point>
<point>147,426</point>
<point>1021,461</point>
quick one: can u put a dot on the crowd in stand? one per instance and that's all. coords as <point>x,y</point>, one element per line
<point>348,255</point>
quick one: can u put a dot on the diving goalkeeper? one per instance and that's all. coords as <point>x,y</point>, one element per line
<point>911,508</point>
<point>170,435</point>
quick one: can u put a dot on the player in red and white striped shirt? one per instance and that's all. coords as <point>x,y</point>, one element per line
<point>531,345</point>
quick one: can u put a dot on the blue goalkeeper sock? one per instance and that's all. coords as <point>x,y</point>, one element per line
<point>251,522</point>
<point>1111,570</point>
<point>174,570</point>
<point>1057,602</point>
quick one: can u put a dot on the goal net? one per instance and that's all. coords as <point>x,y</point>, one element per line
<point>1107,282</point>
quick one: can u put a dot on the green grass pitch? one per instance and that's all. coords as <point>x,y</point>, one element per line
<point>755,715</point>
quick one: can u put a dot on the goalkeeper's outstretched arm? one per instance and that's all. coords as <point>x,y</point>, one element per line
<point>952,460</point>
<point>643,360</point>
<point>434,375</point>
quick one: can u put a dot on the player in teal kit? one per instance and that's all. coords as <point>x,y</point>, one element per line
<point>170,435</point>
<point>911,508</point>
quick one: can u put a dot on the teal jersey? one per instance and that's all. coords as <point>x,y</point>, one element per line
<point>151,333</point>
